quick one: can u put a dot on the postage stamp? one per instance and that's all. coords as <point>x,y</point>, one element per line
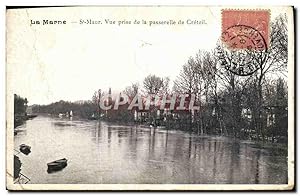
<point>246,29</point>
<point>245,37</point>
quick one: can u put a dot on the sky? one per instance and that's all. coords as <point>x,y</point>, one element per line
<point>48,63</point>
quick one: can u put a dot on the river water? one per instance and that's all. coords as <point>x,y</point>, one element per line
<point>100,152</point>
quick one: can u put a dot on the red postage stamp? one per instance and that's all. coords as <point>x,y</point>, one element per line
<point>246,29</point>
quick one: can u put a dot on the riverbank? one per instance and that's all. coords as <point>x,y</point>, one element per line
<point>19,120</point>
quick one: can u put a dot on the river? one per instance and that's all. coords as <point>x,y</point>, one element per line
<point>101,152</point>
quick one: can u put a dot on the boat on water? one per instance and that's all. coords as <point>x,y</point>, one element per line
<point>57,165</point>
<point>25,149</point>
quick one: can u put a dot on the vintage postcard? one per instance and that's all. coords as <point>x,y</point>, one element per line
<point>150,98</point>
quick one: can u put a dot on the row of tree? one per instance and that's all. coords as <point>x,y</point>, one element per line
<point>82,109</point>
<point>253,106</point>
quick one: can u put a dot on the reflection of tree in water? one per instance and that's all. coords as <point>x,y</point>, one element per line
<point>109,135</point>
<point>257,167</point>
<point>234,164</point>
<point>166,142</point>
<point>214,161</point>
<point>97,133</point>
<point>188,158</point>
<point>152,143</point>
<point>190,146</point>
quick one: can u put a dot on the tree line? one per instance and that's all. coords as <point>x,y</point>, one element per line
<point>20,106</point>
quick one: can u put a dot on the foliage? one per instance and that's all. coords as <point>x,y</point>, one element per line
<point>20,105</point>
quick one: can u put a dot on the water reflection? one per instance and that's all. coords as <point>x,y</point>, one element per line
<point>99,152</point>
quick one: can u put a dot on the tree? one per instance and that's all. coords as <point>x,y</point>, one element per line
<point>155,85</point>
<point>189,82</point>
<point>275,63</point>
<point>96,101</point>
<point>132,91</point>
<point>186,81</point>
<point>20,105</point>
<point>276,103</point>
<point>281,104</point>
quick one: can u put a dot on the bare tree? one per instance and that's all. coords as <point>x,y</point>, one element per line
<point>212,77</point>
<point>96,100</point>
<point>132,90</point>
<point>186,82</point>
<point>156,85</point>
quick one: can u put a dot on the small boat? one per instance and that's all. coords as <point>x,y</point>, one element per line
<point>25,149</point>
<point>57,165</point>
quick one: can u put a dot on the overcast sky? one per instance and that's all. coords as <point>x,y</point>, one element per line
<point>69,62</point>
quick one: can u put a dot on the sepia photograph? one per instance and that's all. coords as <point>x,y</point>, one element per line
<point>150,98</point>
